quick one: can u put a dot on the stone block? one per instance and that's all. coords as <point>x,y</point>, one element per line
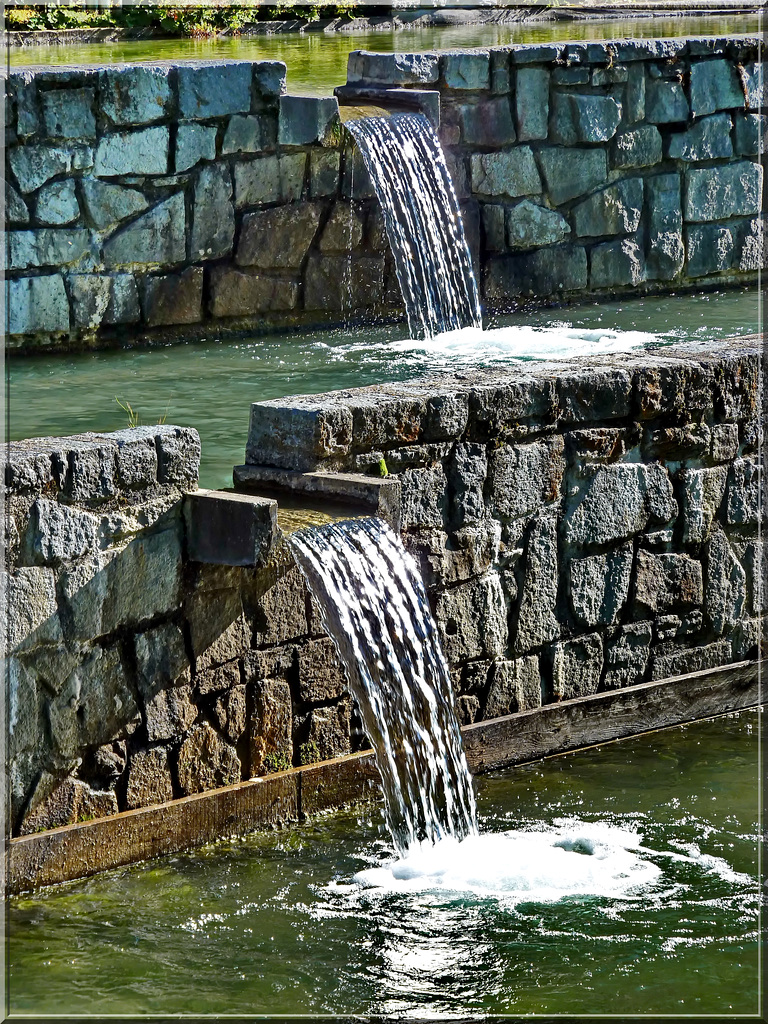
<point>576,118</point>
<point>715,85</point>
<point>664,582</point>
<point>710,249</point>
<point>627,654</point>
<point>537,621</point>
<point>37,304</point>
<point>444,560</point>
<point>324,171</point>
<point>107,204</point>
<point>70,802</point>
<point>271,725</point>
<point>270,179</point>
<point>424,498</point>
<point>248,133</point>
<point>194,142</point>
<point>206,760</point>
<point>243,294</point>
<point>599,585</point>
<point>488,123</point>
<point>47,247</point>
<point>665,102</point>
<point>725,442</point>
<point>587,393</point>
<point>640,147</point>
<point>743,502</point>
<point>169,713</point>
<point>32,166</point>
<point>149,778</point>
<point>142,152</point>
<point>466,69</point>
<point>501,82</point>
<point>577,666</point>
<point>57,203</point>
<point>68,114</point>
<point>279,237</point>
<point>617,264</point>
<point>673,663</point>
<point>174,298</point>
<point>706,139</point>
<point>305,120</point>
<point>529,225</point>
<point>509,173</point>
<point>392,68</point>
<point>472,620</point>
<point>156,237</point>
<point>727,190</point>
<point>343,230</point>
<point>570,76</point>
<point>178,455</point>
<point>31,609</point>
<point>749,245</point>
<point>523,478</point>
<point>215,89</point>
<point>282,612</point>
<point>665,254</point>
<point>229,529</point>
<point>615,210</point>
<point>540,273</point>
<point>297,438</point>
<point>702,493</point>
<point>616,501</point>
<point>103,299</point>
<point>338,282</point>
<point>16,211</point>
<point>634,94</point>
<point>535,53</point>
<point>135,94</point>
<point>321,676</point>
<point>725,589</point>
<point>466,478</point>
<point>213,219</point>
<point>59,533</point>
<point>269,77</point>
<point>161,659</point>
<point>532,103</point>
<point>515,686</point>
<point>615,75</point>
<point>329,730</point>
<point>494,232</point>
<point>756,86</point>
<point>571,172</point>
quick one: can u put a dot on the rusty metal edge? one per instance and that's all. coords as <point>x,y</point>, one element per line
<point>85,848</point>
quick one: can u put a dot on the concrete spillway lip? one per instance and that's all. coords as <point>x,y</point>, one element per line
<point>83,849</point>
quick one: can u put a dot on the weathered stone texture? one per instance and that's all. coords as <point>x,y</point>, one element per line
<point>213,220</point>
<point>149,778</point>
<point>206,761</point>
<point>577,666</point>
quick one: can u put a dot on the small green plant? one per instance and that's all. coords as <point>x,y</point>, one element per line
<point>277,761</point>
<point>383,471</point>
<point>309,753</point>
<point>133,417</point>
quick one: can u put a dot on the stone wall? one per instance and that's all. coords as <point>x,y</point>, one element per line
<point>162,200</point>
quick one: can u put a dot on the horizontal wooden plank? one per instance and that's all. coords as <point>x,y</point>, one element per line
<point>76,851</point>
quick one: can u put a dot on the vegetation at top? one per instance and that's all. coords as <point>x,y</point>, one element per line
<point>173,20</point>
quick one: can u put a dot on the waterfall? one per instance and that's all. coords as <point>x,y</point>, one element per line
<point>423,221</point>
<point>374,606</point>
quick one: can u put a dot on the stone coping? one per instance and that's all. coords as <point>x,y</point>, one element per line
<point>83,849</point>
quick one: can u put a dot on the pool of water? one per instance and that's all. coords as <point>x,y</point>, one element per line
<point>657,910</point>
<point>210,385</point>
<point>317,62</point>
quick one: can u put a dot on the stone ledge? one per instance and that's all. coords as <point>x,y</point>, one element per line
<point>229,529</point>
<point>77,851</point>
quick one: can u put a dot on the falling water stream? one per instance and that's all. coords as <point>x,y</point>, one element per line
<point>434,269</point>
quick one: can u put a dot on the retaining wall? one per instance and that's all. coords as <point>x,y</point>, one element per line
<point>165,200</point>
<point>581,527</point>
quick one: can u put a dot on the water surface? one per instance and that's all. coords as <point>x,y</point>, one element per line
<point>277,923</point>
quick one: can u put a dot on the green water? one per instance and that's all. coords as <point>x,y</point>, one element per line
<point>317,62</point>
<point>273,924</point>
<point>210,385</point>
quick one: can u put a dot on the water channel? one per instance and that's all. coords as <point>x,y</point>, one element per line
<point>277,923</point>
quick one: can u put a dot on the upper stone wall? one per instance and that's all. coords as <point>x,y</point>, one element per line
<point>173,199</point>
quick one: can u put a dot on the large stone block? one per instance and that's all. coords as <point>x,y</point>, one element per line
<point>195,142</point>
<point>614,502</point>
<point>743,505</point>
<point>31,609</point>
<point>445,559</point>
<point>248,133</point>
<point>270,179</point>
<point>727,190</point>
<point>279,237</point>
<point>135,94</point>
<point>297,438</point>
<point>178,456</point>
<point>537,621</point>
<point>706,139</point>
<point>47,247</point>
<point>343,230</point>
<point>488,123</point>
<point>577,118</point>
<point>161,659</point>
<point>615,210</point>
<point>16,211</point>
<point>68,114</point>
<point>725,590</point>
<point>282,611</point>
<point>666,253</point>
<point>71,801</point>
<point>529,225</point>
<point>57,203</point>
<point>466,478</point>
<point>107,204</point>
<point>341,282</point>
<point>324,170</point>
<point>532,103</point>
<point>32,166</point>
<point>321,676</point>
<point>271,726</point>
<point>37,304</point>
<point>466,69</point>
<point>617,264</point>
<point>751,252</point>
<point>329,731</point>
<point>627,654</point>
<point>509,173</point>
<point>157,237</point>
<point>599,585</point>
<point>149,778</point>
<point>640,147</point>
<point>229,529</point>
<point>577,666</point>
<point>710,249</point>
<point>424,497</point>
<point>169,713</point>
<point>472,619</point>
<point>715,85</point>
<point>570,172</point>
<point>702,493</point>
<point>243,294</point>
<point>213,219</point>
<point>174,298</point>
<point>206,760</point>
<point>269,78</point>
<point>59,533</point>
<point>103,299</point>
<point>214,89</point>
<point>523,478</point>
<point>392,68</point>
<point>668,664</point>
<point>515,686</point>
<point>540,273</point>
<point>231,713</point>
<point>140,152</point>
<point>305,120</point>
<point>665,102</point>
<point>666,581</point>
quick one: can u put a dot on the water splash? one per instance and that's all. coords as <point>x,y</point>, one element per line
<point>434,269</point>
<point>374,606</point>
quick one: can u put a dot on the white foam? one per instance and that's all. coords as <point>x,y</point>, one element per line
<point>570,859</point>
